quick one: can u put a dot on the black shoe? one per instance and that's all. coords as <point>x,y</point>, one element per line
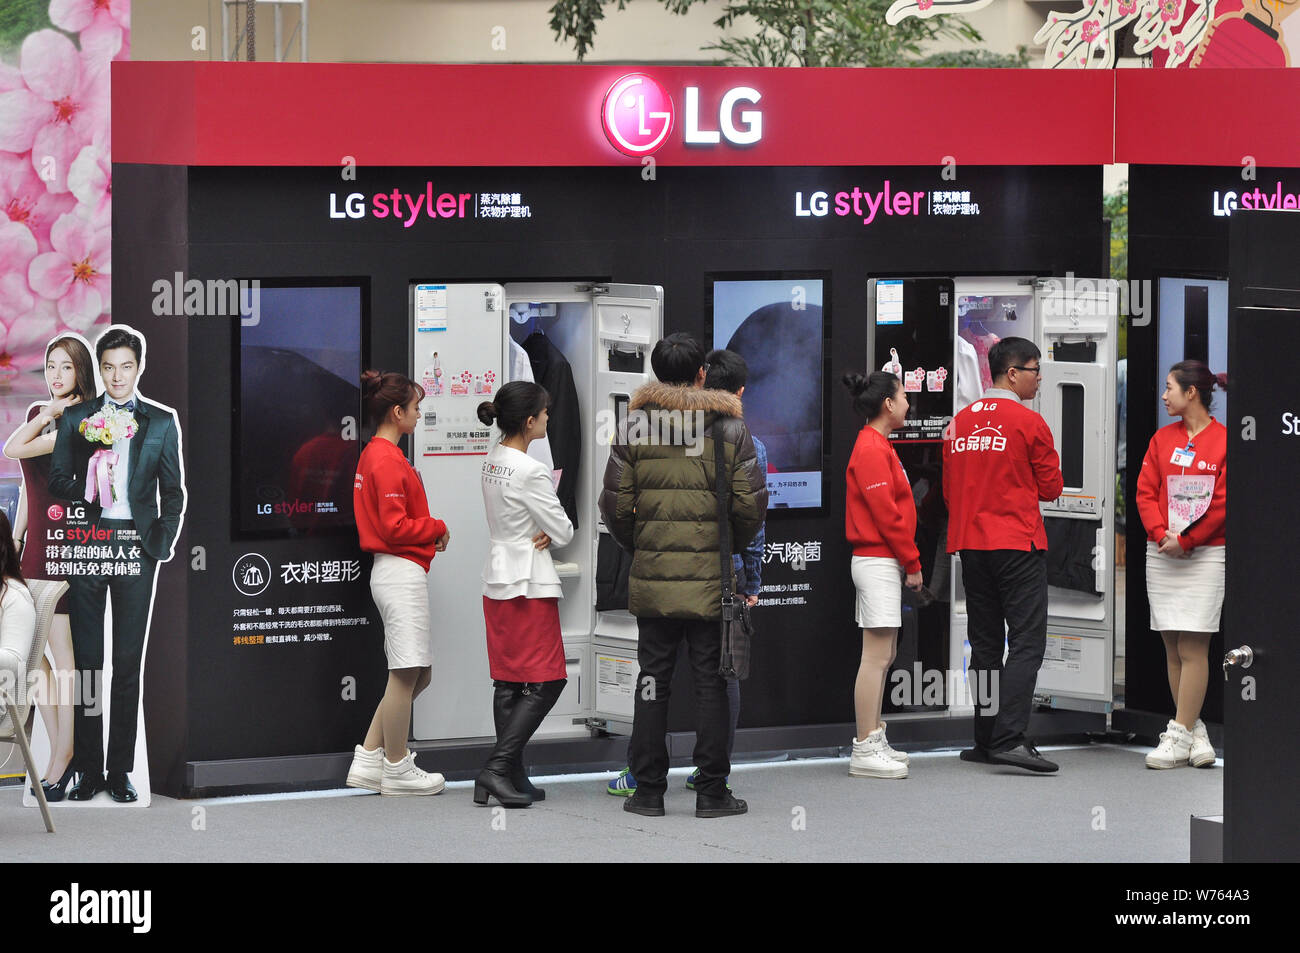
<point>645,804</point>
<point>87,786</point>
<point>977,754</point>
<point>1023,756</point>
<point>120,788</point>
<point>724,806</point>
<point>59,789</point>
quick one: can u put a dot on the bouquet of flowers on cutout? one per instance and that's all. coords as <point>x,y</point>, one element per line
<point>106,427</point>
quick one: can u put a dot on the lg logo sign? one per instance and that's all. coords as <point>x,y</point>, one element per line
<point>57,512</point>
<point>638,116</point>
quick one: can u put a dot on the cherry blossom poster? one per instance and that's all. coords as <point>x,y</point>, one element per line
<point>55,216</point>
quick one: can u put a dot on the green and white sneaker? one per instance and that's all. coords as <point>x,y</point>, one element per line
<point>622,786</point>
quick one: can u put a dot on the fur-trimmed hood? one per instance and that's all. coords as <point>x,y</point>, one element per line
<point>686,398</point>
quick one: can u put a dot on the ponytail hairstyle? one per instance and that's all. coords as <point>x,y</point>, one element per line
<point>871,392</point>
<point>380,392</point>
<point>1196,374</point>
<point>9,565</point>
<point>514,404</point>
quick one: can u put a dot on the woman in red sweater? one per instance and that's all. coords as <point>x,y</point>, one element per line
<point>880,522</point>
<point>1181,498</point>
<point>393,522</point>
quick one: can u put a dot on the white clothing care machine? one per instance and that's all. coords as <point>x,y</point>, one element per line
<point>466,341</point>
<point>940,332</point>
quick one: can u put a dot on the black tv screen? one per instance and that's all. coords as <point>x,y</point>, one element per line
<point>777,325</point>
<point>299,409</point>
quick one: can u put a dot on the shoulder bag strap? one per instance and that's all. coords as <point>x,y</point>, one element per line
<point>722,481</point>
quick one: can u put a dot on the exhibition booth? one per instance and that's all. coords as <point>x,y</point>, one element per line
<point>472,224</point>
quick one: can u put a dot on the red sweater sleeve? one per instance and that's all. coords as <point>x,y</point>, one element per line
<point>1148,493</point>
<point>387,486</point>
<point>1215,519</point>
<point>1046,462</point>
<point>875,475</point>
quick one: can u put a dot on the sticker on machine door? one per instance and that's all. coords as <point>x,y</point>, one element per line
<point>430,307</point>
<point>615,676</point>
<point>1063,653</point>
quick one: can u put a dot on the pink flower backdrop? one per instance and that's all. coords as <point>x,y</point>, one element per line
<point>56,178</point>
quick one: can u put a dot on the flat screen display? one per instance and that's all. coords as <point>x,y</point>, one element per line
<point>297,420</point>
<point>1193,316</point>
<point>777,325</point>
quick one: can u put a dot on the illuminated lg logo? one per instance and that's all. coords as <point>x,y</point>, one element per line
<point>55,512</point>
<point>637,115</point>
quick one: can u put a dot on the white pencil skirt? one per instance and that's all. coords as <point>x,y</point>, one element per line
<point>1185,593</point>
<point>879,581</point>
<point>399,587</point>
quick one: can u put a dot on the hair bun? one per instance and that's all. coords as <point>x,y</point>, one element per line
<point>370,381</point>
<point>487,412</point>
<point>856,383</point>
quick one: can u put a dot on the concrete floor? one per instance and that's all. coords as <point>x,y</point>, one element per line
<point>1103,806</point>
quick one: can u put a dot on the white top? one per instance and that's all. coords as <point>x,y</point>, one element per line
<point>17,628</point>
<point>520,501</point>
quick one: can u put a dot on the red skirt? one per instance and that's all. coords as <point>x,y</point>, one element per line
<point>523,639</point>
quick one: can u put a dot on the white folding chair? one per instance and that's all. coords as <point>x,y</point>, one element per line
<point>13,712</point>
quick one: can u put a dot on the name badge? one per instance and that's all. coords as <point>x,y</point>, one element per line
<point>1182,458</point>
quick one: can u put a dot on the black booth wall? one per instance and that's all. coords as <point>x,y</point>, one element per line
<point>1173,232</point>
<point>602,223</point>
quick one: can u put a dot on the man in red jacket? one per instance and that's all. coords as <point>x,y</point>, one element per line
<point>999,462</point>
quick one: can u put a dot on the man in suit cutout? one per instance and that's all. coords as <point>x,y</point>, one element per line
<point>142,514</point>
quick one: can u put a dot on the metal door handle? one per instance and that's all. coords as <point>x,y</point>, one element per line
<point>1243,657</point>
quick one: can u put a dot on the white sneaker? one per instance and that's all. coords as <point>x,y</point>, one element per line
<point>890,752</point>
<point>1202,753</point>
<point>870,761</point>
<point>404,779</point>
<point>1174,748</point>
<point>367,769</point>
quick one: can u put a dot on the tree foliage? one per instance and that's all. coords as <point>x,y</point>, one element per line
<point>805,33</point>
<point>18,18</point>
<point>1115,209</point>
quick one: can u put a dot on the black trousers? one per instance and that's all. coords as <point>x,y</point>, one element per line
<point>1004,587</point>
<point>132,597</point>
<point>657,656</point>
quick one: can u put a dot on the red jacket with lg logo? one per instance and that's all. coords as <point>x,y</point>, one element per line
<point>879,512</point>
<point>998,463</point>
<point>1208,457</point>
<point>391,509</point>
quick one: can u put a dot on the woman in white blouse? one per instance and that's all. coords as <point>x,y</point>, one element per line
<point>521,589</point>
<point>17,619</point>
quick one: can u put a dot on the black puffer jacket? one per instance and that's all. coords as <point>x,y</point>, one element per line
<point>658,499</point>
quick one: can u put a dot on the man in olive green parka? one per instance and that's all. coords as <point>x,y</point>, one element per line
<point>659,502</point>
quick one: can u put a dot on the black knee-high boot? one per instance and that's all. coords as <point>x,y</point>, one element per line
<point>503,703</point>
<point>532,702</point>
